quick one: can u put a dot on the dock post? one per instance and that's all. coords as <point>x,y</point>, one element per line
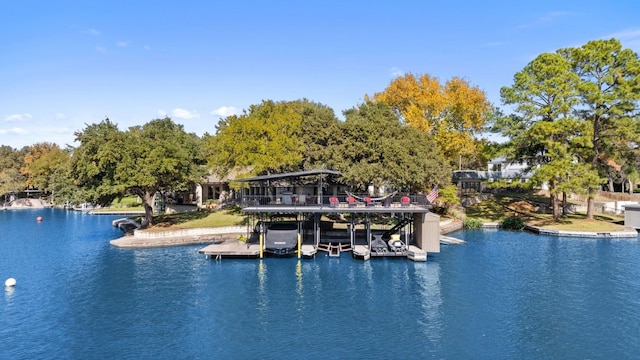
<point>261,245</point>
<point>299,245</point>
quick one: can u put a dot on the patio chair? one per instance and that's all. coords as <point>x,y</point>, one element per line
<point>369,201</point>
<point>405,201</point>
<point>352,201</point>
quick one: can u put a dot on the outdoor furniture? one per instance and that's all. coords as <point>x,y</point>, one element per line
<point>368,201</point>
<point>333,201</point>
<point>405,201</point>
<point>352,201</point>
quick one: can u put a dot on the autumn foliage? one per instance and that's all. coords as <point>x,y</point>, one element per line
<point>454,113</point>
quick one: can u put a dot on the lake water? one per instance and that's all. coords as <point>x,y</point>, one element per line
<point>502,295</point>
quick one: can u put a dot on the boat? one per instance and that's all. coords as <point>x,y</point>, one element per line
<point>281,238</point>
<point>85,207</point>
<point>395,244</point>
<point>378,245</point>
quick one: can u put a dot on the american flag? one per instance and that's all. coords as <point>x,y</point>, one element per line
<point>433,194</point>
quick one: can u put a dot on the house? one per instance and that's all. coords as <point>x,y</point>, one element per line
<point>470,181</point>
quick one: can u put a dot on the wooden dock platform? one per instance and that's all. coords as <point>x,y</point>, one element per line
<point>231,248</point>
<point>239,249</point>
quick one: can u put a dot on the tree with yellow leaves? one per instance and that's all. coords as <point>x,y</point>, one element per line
<point>454,113</point>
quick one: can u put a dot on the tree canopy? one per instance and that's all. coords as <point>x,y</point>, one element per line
<point>453,113</point>
<point>41,164</point>
<point>11,161</point>
<point>371,147</point>
<point>376,149</point>
<point>157,156</point>
<point>264,139</point>
<point>575,115</point>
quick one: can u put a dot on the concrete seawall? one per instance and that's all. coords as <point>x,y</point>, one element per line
<point>627,233</point>
<point>146,239</point>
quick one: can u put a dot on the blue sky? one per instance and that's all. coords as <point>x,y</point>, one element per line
<point>65,64</point>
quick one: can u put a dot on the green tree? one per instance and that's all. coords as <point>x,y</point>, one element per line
<point>11,158</point>
<point>42,163</point>
<point>376,149</point>
<point>11,161</point>
<point>264,139</point>
<point>543,132</point>
<point>609,90</point>
<point>157,156</point>
<point>320,135</point>
<point>11,181</point>
<point>94,162</point>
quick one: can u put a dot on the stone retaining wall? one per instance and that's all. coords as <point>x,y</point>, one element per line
<point>144,234</point>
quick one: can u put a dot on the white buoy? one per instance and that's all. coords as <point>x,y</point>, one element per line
<point>11,282</point>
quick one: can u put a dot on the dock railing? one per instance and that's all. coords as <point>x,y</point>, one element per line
<point>340,200</point>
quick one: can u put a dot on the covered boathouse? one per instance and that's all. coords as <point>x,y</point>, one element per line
<point>303,213</point>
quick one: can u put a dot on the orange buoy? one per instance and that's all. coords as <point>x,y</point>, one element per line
<point>39,218</point>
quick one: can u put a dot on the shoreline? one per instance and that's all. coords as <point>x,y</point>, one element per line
<point>204,236</point>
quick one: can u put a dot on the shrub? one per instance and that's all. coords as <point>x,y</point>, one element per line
<point>471,223</point>
<point>513,223</point>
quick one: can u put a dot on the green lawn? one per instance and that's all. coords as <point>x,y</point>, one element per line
<point>493,210</point>
<point>198,219</point>
<point>524,206</point>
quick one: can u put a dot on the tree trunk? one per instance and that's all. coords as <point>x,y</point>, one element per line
<point>554,207</point>
<point>611,185</point>
<point>564,204</point>
<point>147,203</point>
<point>630,187</point>
<point>591,204</point>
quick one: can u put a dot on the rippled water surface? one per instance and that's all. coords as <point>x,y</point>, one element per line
<point>500,295</point>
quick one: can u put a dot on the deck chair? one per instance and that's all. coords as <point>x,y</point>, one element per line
<point>405,201</point>
<point>368,201</point>
<point>333,201</point>
<point>352,201</point>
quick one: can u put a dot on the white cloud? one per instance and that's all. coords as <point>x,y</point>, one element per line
<point>395,72</point>
<point>15,130</point>
<point>94,32</point>
<point>147,47</point>
<point>122,44</point>
<point>224,111</point>
<point>629,38</point>
<point>551,16</point>
<point>492,44</point>
<point>101,49</point>
<point>184,114</point>
<point>548,18</point>
<point>18,117</point>
<point>162,113</point>
<point>59,130</point>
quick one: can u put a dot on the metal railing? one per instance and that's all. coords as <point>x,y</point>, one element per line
<point>331,200</point>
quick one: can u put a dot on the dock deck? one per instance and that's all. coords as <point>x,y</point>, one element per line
<point>231,248</point>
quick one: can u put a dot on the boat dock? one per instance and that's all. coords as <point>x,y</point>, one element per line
<point>303,213</point>
<point>230,248</point>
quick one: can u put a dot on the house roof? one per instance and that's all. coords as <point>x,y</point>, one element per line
<point>290,175</point>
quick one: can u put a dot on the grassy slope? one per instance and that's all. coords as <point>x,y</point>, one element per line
<point>524,206</point>
<point>198,219</point>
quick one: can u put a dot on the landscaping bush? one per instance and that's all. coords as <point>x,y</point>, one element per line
<point>513,223</point>
<point>471,223</point>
